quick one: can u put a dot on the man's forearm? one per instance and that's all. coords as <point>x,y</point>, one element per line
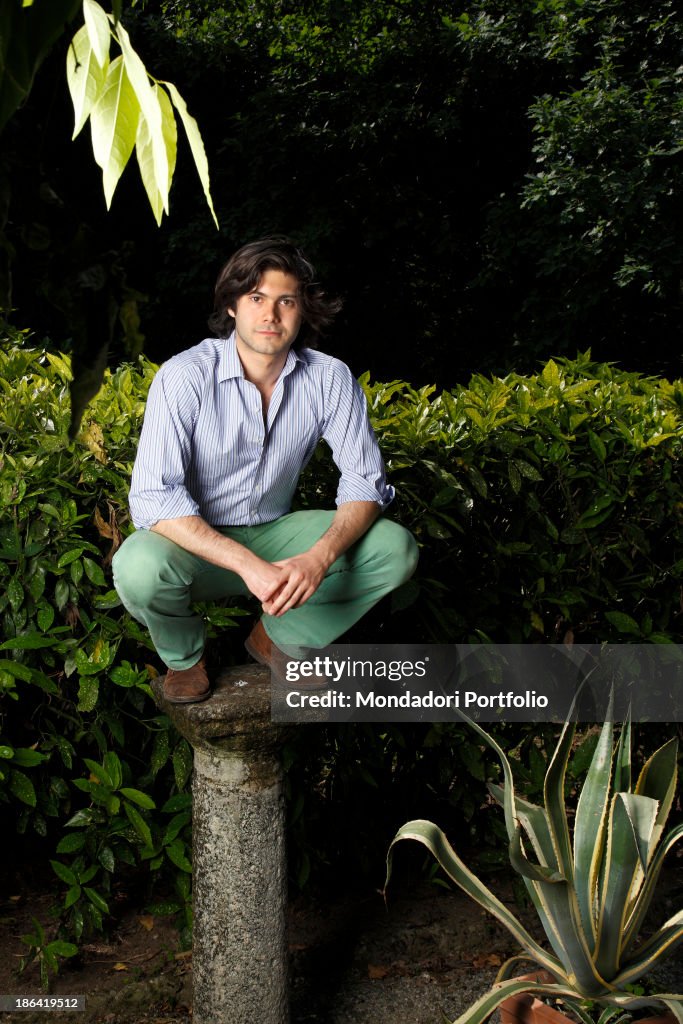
<point>196,536</point>
<point>351,521</point>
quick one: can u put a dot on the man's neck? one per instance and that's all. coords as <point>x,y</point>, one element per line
<point>262,370</point>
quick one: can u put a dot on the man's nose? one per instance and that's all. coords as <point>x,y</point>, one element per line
<point>270,311</point>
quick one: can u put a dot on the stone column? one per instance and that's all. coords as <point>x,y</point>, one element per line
<point>239,955</point>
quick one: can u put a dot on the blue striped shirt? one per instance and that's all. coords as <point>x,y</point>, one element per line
<point>206,451</point>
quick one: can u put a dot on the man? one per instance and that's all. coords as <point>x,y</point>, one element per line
<point>229,426</point>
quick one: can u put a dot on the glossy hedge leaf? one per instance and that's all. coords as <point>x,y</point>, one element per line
<point>160,751</point>
<point>94,572</point>
<point>96,900</point>
<point>45,617</point>
<point>25,757</point>
<point>22,788</point>
<point>88,692</point>
<point>64,873</point>
<point>107,859</point>
<point>139,798</point>
<point>61,948</point>
<point>177,802</point>
<point>138,823</point>
<point>71,843</point>
<point>15,593</point>
<point>182,763</point>
<point>175,852</point>
<point>113,768</point>
<point>624,623</point>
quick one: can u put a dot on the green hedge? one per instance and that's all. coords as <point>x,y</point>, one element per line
<point>545,507</point>
<point>548,507</point>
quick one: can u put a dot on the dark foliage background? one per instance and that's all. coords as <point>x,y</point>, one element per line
<point>485,183</point>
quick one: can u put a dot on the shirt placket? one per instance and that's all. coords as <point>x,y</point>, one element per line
<point>258,438</point>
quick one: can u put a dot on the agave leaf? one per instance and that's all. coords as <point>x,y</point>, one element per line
<point>553,792</point>
<point>622,765</point>
<point>658,780</point>
<point>675,1005</point>
<point>505,971</point>
<point>508,791</point>
<point>561,901</point>
<point>484,1007</point>
<point>589,827</point>
<point>645,896</point>
<point>656,947</point>
<point>535,822</point>
<point>631,821</point>
<point>521,863</point>
<point>556,902</point>
<point>627,1001</point>
<point>583,1014</point>
<point>433,838</point>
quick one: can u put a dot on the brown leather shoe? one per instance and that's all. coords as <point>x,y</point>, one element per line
<point>263,650</point>
<point>188,685</point>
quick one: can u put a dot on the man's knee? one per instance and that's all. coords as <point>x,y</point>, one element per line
<point>137,568</point>
<point>399,548</point>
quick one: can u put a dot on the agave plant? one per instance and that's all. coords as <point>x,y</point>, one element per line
<point>592,893</point>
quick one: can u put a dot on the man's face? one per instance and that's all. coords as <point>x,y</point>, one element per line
<point>267,319</point>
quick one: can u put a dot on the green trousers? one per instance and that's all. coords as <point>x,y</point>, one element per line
<point>158,581</point>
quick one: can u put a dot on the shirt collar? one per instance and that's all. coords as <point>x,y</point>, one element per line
<point>230,365</point>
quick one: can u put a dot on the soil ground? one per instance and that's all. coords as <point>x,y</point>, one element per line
<point>352,961</point>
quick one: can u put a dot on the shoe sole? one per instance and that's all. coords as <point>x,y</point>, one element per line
<point>187,700</point>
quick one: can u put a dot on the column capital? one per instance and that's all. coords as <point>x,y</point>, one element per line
<point>235,718</point>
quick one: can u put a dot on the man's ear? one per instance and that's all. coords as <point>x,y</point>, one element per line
<point>230,312</point>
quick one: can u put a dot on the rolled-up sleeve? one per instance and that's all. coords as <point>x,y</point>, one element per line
<point>158,484</point>
<point>354,446</point>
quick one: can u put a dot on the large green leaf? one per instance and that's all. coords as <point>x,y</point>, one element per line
<point>150,110</point>
<point>99,32</point>
<point>85,77</point>
<point>196,143</point>
<point>144,150</point>
<point>114,124</point>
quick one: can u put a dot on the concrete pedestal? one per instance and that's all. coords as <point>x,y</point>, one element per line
<point>239,955</point>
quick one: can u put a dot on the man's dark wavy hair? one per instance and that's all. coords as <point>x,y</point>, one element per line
<point>243,271</point>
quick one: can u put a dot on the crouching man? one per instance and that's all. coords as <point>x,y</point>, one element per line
<point>228,428</point>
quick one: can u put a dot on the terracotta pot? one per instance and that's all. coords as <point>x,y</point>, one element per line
<point>525,1008</point>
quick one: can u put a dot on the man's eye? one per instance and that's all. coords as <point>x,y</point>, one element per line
<point>255,298</point>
